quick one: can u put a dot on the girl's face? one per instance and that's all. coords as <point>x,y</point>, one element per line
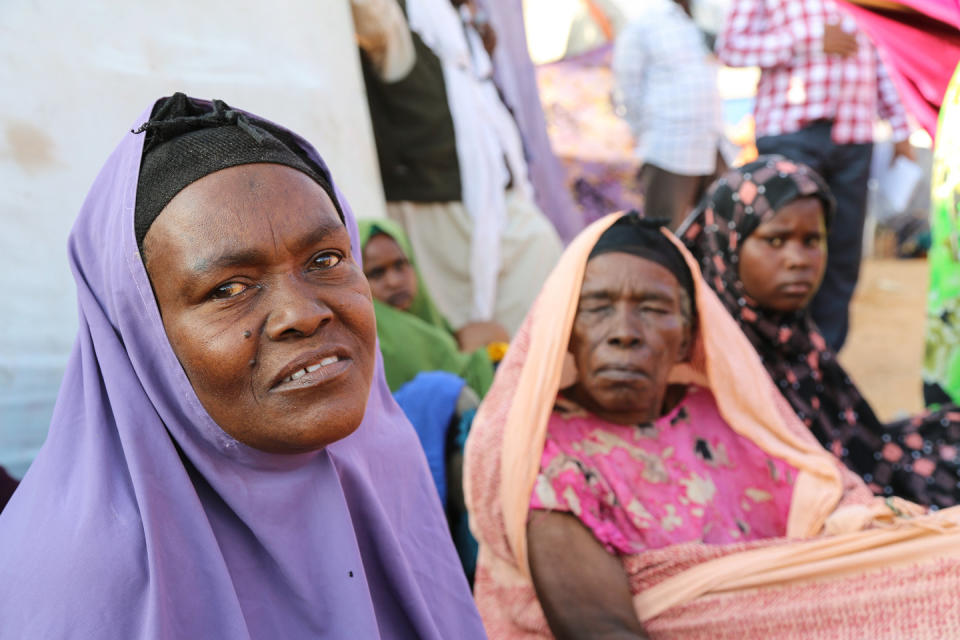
<point>783,260</point>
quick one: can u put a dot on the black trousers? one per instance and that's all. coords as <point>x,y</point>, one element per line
<point>672,195</point>
<point>846,168</point>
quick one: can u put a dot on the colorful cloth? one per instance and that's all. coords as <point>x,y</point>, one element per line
<point>420,339</point>
<point>141,518</point>
<point>917,458</point>
<point>941,365</point>
<point>593,142</point>
<point>858,581</point>
<point>688,477</point>
<point>920,40</point>
<point>800,84</point>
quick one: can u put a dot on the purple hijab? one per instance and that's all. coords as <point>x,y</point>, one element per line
<point>141,518</point>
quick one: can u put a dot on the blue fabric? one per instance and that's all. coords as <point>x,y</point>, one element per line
<point>463,540</point>
<point>430,402</point>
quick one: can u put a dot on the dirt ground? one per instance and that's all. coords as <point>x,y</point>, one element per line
<point>884,350</point>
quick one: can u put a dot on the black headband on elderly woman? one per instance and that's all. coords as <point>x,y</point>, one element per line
<point>187,140</point>
<point>643,238</point>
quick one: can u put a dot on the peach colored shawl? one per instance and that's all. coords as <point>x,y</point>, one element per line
<point>829,503</point>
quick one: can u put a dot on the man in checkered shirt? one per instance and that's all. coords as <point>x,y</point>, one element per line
<point>822,86</point>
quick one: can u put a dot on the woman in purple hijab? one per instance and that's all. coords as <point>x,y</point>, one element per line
<point>224,459</point>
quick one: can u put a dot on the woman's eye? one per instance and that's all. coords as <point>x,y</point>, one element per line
<point>813,241</point>
<point>327,259</point>
<point>228,290</point>
<point>654,310</point>
<point>776,242</point>
<point>595,308</point>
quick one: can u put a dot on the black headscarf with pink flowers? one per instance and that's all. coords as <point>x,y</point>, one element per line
<point>916,458</point>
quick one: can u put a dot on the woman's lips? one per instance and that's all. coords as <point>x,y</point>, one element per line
<point>620,373</point>
<point>400,300</point>
<point>796,288</point>
<point>314,374</point>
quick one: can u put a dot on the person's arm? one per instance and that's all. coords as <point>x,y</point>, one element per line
<point>761,33</point>
<point>384,35</point>
<point>891,109</point>
<point>583,589</point>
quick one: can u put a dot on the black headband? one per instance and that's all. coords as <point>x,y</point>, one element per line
<point>187,140</point>
<point>643,238</point>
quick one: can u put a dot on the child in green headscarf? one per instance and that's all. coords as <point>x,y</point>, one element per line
<point>414,335</point>
<point>415,338</point>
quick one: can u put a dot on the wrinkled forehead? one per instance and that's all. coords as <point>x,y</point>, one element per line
<point>253,203</point>
<point>618,275</point>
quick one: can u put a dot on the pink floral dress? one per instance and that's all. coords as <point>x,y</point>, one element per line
<point>687,477</point>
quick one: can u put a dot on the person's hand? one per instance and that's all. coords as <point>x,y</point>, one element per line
<point>489,37</point>
<point>905,149</point>
<point>369,31</point>
<point>836,41</point>
<point>474,335</point>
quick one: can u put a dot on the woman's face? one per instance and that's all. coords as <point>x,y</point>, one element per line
<point>264,306</point>
<point>391,276</point>
<point>783,260</point>
<point>628,333</point>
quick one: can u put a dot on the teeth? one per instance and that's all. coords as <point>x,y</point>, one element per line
<point>311,368</point>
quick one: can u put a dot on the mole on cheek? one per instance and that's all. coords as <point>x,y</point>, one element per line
<point>246,333</point>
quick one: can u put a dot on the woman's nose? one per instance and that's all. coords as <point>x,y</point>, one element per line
<point>296,310</point>
<point>797,255</point>
<point>626,329</point>
<point>393,278</point>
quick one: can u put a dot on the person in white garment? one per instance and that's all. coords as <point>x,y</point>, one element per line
<point>452,160</point>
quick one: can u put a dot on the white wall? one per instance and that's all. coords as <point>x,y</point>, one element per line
<point>75,75</point>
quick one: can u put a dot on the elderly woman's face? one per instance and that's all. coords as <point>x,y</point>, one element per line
<point>264,306</point>
<point>628,333</point>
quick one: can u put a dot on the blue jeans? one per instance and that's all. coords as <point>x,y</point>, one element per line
<point>846,168</point>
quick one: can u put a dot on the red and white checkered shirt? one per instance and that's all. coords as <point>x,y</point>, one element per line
<point>798,82</point>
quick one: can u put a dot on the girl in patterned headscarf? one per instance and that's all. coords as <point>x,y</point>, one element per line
<point>760,238</point>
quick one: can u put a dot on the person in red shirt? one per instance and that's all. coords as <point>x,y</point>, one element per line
<point>822,87</point>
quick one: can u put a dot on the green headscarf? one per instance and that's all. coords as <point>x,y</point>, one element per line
<point>420,339</point>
